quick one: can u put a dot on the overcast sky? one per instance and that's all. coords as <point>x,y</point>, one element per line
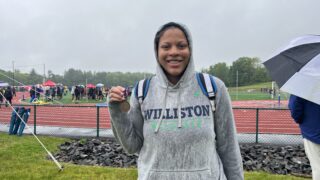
<point>117,35</point>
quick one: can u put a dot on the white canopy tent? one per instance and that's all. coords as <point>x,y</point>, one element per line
<point>3,84</point>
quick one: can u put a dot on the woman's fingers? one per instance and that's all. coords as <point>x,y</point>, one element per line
<point>116,94</point>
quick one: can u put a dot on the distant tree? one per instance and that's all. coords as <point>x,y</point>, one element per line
<point>89,77</point>
<point>74,77</point>
<point>21,78</point>
<point>220,70</point>
<point>35,78</point>
<point>6,76</point>
<point>261,74</point>
<point>250,70</point>
<point>243,69</point>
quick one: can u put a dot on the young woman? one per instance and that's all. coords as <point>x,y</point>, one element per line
<point>173,130</point>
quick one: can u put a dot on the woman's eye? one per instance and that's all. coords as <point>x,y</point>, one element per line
<point>165,47</point>
<point>182,46</point>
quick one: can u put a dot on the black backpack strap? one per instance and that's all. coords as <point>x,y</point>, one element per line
<point>208,87</point>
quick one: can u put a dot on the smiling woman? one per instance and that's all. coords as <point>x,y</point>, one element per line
<point>173,53</point>
<point>177,131</point>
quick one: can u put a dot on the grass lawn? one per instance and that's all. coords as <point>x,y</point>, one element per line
<point>253,92</point>
<point>24,158</point>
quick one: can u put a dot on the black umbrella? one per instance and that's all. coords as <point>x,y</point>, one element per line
<point>298,65</point>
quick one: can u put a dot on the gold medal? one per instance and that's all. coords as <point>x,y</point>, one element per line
<point>124,106</point>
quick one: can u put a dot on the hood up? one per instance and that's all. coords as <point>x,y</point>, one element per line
<point>165,83</point>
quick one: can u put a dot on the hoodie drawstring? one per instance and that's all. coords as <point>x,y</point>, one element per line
<point>163,109</point>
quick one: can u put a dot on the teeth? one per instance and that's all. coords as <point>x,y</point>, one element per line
<point>174,61</point>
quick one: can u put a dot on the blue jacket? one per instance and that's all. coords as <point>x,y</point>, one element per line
<point>307,115</point>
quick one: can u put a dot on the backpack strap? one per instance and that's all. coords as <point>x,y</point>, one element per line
<point>141,89</point>
<point>208,87</point>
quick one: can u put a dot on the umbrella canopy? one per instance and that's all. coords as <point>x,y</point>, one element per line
<point>49,83</point>
<point>99,85</point>
<point>90,86</point>
<point>3,84</point>
<point>296,67</point>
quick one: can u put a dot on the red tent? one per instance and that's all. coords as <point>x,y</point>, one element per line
<point>90,86</point>
<point>49,83</point>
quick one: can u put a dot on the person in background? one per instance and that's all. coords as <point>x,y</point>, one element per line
<point>8,95</point>
<point>175,138</point>
<point>53,93</point>
<point>59,92</point>
<point>307,115</point>
<point>72,93</point>
<point>32,93</point>
<point>65,90</point>
<point>47,93</point>
<point>100,94</point>
<point>38,91</point>
<point>14,91</point>
<point>77,93</point>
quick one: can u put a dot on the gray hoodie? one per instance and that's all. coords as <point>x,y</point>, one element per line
<point>173,131</point>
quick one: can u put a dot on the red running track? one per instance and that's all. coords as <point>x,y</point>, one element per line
<point>270,121</point>
<point>71,117</point>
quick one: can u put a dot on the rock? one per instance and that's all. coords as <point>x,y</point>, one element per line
<point>103,152</point>
<point>275,159</point>
<point>256,157</point>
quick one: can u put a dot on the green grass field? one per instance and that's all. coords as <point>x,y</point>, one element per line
<point>24,158</point>
<point>253,92</point>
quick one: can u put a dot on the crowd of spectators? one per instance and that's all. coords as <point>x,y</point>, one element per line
<point>39,92</point>
<point>94,93</point>
<point>49,93</point>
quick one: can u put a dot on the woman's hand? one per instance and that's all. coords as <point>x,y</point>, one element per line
<point>116,94</point>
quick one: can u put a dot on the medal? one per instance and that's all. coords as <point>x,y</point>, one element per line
<point>124,106</point>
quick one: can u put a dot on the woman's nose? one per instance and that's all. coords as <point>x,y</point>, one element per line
<point>174,51</point>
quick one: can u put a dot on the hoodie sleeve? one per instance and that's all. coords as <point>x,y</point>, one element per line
<point>227,143</point>
<point>296,106</point>
<point>127,127</point>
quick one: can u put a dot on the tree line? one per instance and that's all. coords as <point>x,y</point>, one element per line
<point>243,71</point>
<point>74,77</point>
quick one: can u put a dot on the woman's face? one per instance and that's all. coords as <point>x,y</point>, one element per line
<point>173,52</point>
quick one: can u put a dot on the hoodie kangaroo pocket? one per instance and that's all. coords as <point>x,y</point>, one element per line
<point>188,174</point>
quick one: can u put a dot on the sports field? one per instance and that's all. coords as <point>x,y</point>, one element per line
<point>271,121</point>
